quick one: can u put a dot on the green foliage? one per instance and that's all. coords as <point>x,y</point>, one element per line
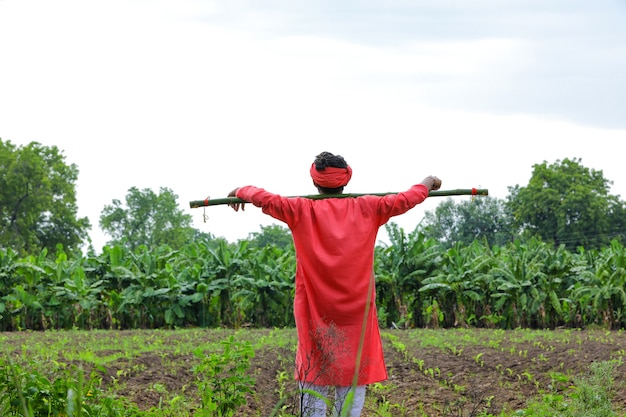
<point>419,284</point>
<point>400,269</point>
<point>591,397</point>
<point>272,235</point>
<point>460,287</point>
<point>516,283</point>
<point>27,392</point>
<point>483,219</point>
<point>38,199</point>
<point>594,392</point>
<point>267,287</point>
<point>460,362</point>
<point>567,203</point>
<point>148,219</point>
<point>602,288</point>
<point>223,380</point>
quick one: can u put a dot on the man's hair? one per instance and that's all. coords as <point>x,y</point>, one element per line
<point>327,159</point>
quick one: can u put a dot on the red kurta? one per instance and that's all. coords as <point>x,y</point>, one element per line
<point>334,240</point>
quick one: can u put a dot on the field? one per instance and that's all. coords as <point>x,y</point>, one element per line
<point>458,372</point>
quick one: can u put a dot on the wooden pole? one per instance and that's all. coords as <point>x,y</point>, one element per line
<point>440,193</point>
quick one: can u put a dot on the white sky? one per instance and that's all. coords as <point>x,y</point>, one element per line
<point>205,96</point>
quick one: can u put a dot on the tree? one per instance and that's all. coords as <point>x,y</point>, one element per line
<point>38,199</point>
<point>567,203</point>
<point>272,235</point>
<point>482,218</point>
<point>617,215</point>
<point>147,219</point>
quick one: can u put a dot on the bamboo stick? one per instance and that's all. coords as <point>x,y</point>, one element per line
<point>439,193</point>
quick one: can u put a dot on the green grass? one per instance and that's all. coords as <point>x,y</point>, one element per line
<point>211,372</point>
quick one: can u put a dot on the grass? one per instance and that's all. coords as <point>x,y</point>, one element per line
<point>222,372</point>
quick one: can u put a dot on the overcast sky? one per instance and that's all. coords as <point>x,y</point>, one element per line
<point>204,96</point>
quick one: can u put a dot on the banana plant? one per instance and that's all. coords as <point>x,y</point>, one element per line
<point>82,297</point>
<point>116,269</point>
<point>603,291</point>
<point>561,269</point>
<point>457,287</point>
<point>265,291</point>
<point>153,285</point>
<point>194,268</point>
<point>227,262</point>
<point>515,282</point>
<point>8,280</point>
<point>32,283</point>
<point>400,270</point>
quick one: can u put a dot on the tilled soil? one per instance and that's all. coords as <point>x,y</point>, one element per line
<point>463,380</point>
<point>473,379</point>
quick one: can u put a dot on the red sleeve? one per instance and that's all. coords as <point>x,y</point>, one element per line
<point>396,204</point>
<point>288,209</point>
<point>275,205</point>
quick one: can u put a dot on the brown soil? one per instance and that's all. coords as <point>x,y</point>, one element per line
<point>460,381</point>
<point>462,384</point>
<point>468,382</point>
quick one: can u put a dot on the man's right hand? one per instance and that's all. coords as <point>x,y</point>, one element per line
<point>235,206</point>
<point>432,182</point>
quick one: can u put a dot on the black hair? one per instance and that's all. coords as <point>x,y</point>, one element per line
<point>327,159</point>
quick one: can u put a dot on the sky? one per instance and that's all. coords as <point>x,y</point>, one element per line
<point>204,96</point>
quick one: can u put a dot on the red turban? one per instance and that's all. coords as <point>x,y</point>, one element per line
<point>331,177</point>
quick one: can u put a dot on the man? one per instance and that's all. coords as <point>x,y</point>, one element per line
<point>339,344</point>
